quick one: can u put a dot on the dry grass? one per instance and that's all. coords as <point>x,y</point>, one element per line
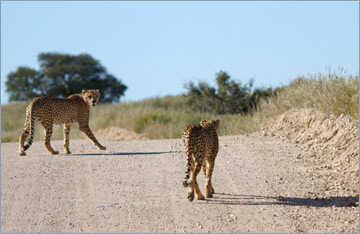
<point>163,118</point>
<point>12,123</point>
<point>158,118</point>
<point>332,93</point>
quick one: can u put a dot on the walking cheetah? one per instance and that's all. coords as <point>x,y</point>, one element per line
<point>51,111</point>
<point>201,146</point>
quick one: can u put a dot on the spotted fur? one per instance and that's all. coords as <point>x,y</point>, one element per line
<point>51,111</point>
<point>201,146</point>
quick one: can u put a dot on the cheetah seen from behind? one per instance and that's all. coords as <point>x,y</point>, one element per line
<point>51,111</point>
<point>201,145</point>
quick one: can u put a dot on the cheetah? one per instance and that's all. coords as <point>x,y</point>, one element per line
<point>51,111</point>
<point>201,145</point>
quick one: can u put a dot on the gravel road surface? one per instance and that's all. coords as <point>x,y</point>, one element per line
<point>261,185</point>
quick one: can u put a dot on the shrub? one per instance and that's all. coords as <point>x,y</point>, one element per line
<point>230,97</point>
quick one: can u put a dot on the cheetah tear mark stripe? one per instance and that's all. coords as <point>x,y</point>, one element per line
<point>32,125</point>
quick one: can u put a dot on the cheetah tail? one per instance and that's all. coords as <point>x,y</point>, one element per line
<point>187,181</point>
<point>32,126</point>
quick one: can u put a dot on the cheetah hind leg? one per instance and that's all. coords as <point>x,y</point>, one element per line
<point>209,190</point>
<point>194,190</point>
<point>190,183</point>
<point>198,163</point>
<point>48,132</point>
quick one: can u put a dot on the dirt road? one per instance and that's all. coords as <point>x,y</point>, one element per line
<point>261,185</point>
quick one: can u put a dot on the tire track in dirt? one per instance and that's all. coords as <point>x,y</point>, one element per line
<point>84,186</point>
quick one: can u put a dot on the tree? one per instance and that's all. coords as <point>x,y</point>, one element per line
<point>24,84</point>
<point>261,94</point>
<point>61,75</point>
<point>234,97</point>
<point>202,97</point>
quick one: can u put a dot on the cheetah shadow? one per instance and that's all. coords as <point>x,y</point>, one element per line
<point>253,200</point>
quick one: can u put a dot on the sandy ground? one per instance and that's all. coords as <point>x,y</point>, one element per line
<point>262,184</point>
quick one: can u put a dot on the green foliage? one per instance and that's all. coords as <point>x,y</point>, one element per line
<point>261,94</point>
<point>25,84</point>
<point>61,75</point>
<point>230,97</point>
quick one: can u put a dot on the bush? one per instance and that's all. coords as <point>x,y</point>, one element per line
<point>230,97</point>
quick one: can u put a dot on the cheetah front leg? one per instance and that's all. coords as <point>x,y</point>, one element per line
<point>66,138</point>
<point>48,132</point>
<point>86,130</point>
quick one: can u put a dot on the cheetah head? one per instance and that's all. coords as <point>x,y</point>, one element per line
<point>91,96</point>
<point>211,123</point>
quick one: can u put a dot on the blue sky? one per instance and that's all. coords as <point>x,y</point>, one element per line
<point>156,47</point>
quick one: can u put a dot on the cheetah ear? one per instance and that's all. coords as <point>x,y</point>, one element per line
<point>83,91</point>
<point>97,91</point>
